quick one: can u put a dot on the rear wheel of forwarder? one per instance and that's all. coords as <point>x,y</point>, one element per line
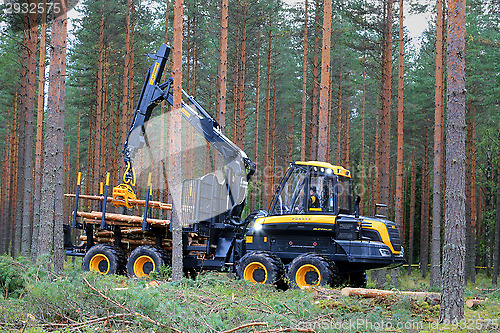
<point>260,267</point>
<point>145,260</point>
<point>104,259</point>
<point>310,270</point>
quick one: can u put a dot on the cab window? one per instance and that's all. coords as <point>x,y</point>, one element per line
<point>290,199</point>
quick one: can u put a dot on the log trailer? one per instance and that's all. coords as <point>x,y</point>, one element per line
<point>294,243</point>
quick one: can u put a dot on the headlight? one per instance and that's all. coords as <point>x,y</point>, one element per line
<point>257,227</point>
<point>385,252</point>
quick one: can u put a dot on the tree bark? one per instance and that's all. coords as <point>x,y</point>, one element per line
<point>398,212</point>
<point>131,64</point>
<point>435,276</point>
<point>304,88</point>
<point>412,211</point>
<point>221,111</point>
<point>323,121</point>
<point>29,110</point>
<point>272,153</point>
<point>50,241</point>
<point>241,108</point>
<point>99,102</point>
<point>257,192</point>
<point>23,96</point>
<point>126,69</point>
<point>496,252</point>
<point>314,103</point>
<point>452,305</point>
<point>473,213</point>
<point>339,121</point>
<point>267,167</point>
<point>385,118</point>
<point>39,133</point>
<point>175,126</point>
<point>424,213</point>
<point>363,169</point>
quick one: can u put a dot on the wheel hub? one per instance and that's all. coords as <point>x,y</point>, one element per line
<point>259,275</point>
<point>103,266</point>
<point>311,278</point>
<point>147,267</point>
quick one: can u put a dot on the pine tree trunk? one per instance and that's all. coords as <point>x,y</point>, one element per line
<point>347,141</point>
<point>256,193</point>
<point>241,108</point>
<point>131,65</point>
<point>272,153</point>
<point>314,103</point>
<point>339,120</point>
<point>496,250</point>
<point>412,212</point>
<point>452,299</point>
<point>39,134</point>
<point>363,168</point>
<point>222,75</point>
<point>14,179</point>
<point>29,110</point>
<point>126,69</point>
<point>267,148</point>
<point>398,216</point>
<point>385,119</point>
<point>23,96</point>
<point>236,93</point>
<point>99,102</point>
<point>89,181</point>
<point>304,88</point>
<point>424,220</point>
<point>435,276</point>
<point>50,241</point>
<point>471,256</point>
<point>174,137</point>
<point>324,120</point>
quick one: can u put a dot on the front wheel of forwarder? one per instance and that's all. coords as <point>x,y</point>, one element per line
<point>104,259</point>
<point>310,270</point>
<point>145,260</point>
<point>260,267</point>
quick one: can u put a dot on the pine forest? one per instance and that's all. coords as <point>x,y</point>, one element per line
<point>414,119</point>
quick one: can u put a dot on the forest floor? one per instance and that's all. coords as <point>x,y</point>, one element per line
<point>35,300</point>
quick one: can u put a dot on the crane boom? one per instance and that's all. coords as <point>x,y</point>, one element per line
<point>152,94</point>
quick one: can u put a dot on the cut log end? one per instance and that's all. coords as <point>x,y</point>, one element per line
<point>474,303</point>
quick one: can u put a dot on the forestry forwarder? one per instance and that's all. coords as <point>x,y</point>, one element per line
<point>299,242</point>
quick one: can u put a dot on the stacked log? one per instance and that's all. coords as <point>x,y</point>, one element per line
<point>119,219</point>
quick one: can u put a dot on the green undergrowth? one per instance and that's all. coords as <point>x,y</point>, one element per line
<point>76,301</point>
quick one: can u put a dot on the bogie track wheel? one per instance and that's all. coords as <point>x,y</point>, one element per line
<point>145,260</point>
<point>310,270</point>
<point>260,267</point>
<point>104,259</point>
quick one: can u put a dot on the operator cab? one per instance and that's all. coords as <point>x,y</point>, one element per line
<point>314,188</point>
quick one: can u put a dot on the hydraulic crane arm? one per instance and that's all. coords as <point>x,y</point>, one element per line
<point>153,94</point>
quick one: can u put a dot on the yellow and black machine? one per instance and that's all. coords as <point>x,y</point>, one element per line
<point>311,234</point>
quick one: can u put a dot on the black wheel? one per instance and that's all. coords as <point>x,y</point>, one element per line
<point>104,259</point>
<point>310,270</point>
<point>260,267</point>
<point>144,260</point>
<point>356,279</point>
